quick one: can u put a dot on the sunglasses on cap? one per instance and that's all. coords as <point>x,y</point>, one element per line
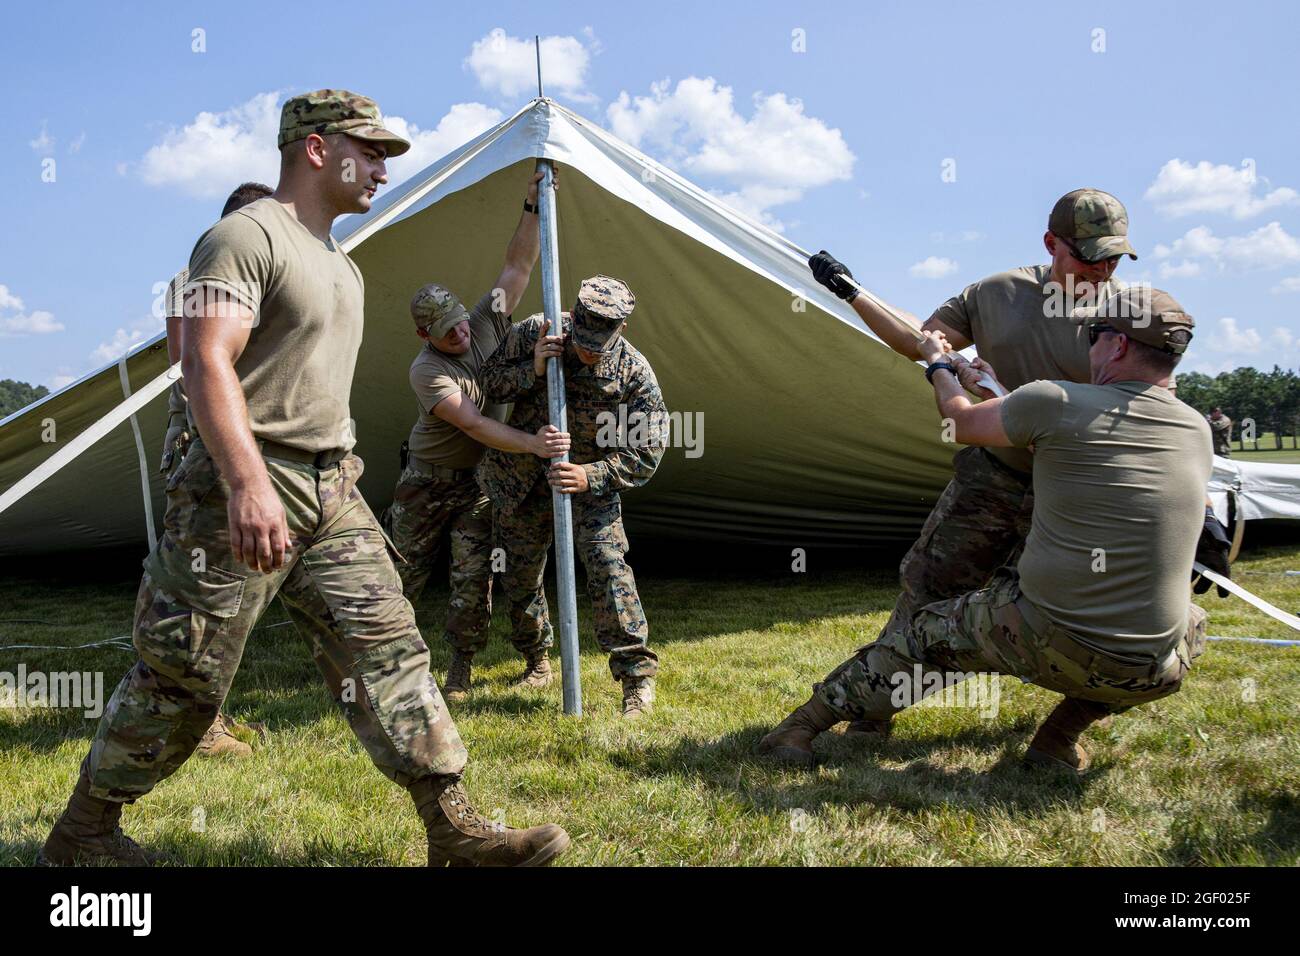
<point>1074,251</point>
<point>1095,330</point>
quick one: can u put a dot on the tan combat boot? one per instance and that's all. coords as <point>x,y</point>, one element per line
<point>537,671</point>
<point>638,696</point>
<point>461,836</point>
<point>88,834</point>
<point>456,687</point>
<point>869,729</point>
<point>1056,744</point>
<point>791,740</point>
<point>220,742</point>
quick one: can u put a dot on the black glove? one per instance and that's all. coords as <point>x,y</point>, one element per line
<point>828,271</point>
<point>1212,551</point>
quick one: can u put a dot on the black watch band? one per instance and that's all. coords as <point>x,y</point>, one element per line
<point>529,207</point>
<point>931,369</point>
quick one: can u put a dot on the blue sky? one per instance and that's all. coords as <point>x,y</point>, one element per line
<point>1186,112</point>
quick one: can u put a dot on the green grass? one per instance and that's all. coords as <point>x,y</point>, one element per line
<point>1208,776</point>
<point>1264,451</point>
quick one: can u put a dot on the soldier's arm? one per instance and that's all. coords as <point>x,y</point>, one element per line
<point>508,374</point>
<point>460,410</point>
<point>633,464</point>
<point>972,424</point>
<point>521,255</point>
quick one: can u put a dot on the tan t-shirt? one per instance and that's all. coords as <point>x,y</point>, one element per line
<point>436,375</point>
<point>1119,500</point>
<point>307,296</point>
<point>1020,325</point>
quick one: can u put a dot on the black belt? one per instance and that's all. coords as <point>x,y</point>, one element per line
<point>317,459</point>
<point>438,471</point>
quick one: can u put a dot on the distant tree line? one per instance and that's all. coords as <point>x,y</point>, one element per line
<point>1270,399</point>
<point>15,395</point>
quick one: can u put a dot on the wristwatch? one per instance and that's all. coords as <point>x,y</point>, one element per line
<point>931,369</point>
<point>529,207</point>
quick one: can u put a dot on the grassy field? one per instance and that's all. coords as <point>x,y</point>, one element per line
<point>1209,776</point>
<point>1264,451</point>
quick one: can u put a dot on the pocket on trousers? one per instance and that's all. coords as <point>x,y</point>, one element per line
<point>213,591</point>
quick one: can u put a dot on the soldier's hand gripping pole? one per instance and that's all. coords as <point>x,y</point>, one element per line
<point>561,504</point>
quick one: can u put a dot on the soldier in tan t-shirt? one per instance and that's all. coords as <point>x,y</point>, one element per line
<point>1019,321</point>
<point>1098,607</point>
<point>220,740</point>
<point>437,501</point>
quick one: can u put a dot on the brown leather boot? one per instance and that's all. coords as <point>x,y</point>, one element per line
<point>869,729</point>
<point>461,836</point>
<point>790,742</point>
<point>638,696</point>
<point>218,741</point>
<point>456,687</point>
<point>88,834</point>
<point>1056,744</point>
<point>537,671</point>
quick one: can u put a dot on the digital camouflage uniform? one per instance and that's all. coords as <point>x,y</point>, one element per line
<point>519,491</point>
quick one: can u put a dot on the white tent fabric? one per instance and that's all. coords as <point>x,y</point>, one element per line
<point>1262,490</point>
<point>808,430</point>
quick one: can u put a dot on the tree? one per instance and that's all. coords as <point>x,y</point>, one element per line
<point>16,395</point>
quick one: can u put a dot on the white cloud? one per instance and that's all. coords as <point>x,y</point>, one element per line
<point>1182,270</point>
<point>968,235</point>
<point>60,379</point>
<point>1289,284</point>
<point>1230,339</point>
<point>76,144</point>
<point>44,142</point>
<point>125,339</point>
<point>932,267</point>
<point>768,159</point>
<point>462,123</point>
<point>216,151</point>
<point>1268,247</point>
<point>1181,189</point>
<point>15,320</point>
<point>29,323</point>
<point>507,65</point>
<point>8,300</point>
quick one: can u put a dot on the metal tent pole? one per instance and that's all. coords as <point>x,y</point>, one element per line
<point>561,504</point>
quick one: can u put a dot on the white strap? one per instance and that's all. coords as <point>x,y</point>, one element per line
<point>1290,620</point>
<point>88,437</point>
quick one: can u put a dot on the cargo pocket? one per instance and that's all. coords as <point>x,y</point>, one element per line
<point>183,624</point>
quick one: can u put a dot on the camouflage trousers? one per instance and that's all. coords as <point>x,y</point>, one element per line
<point>600,541</point>
<point>979,524</point>
<point>197,605</point>
<point>426,513</point>
<point>997,630</point>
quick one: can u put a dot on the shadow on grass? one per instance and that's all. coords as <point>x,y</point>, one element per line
<point>729,763</point>
<point>1276,840</point>
<point>245,851</point>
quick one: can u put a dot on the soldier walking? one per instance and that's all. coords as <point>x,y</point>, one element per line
<point>265,503</point>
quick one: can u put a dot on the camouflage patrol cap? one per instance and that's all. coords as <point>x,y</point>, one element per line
<point>603,306</point>
<point>437,310</point>
<point>337,111</point>
<point>1144,314</point>
<point>1095,221</point>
